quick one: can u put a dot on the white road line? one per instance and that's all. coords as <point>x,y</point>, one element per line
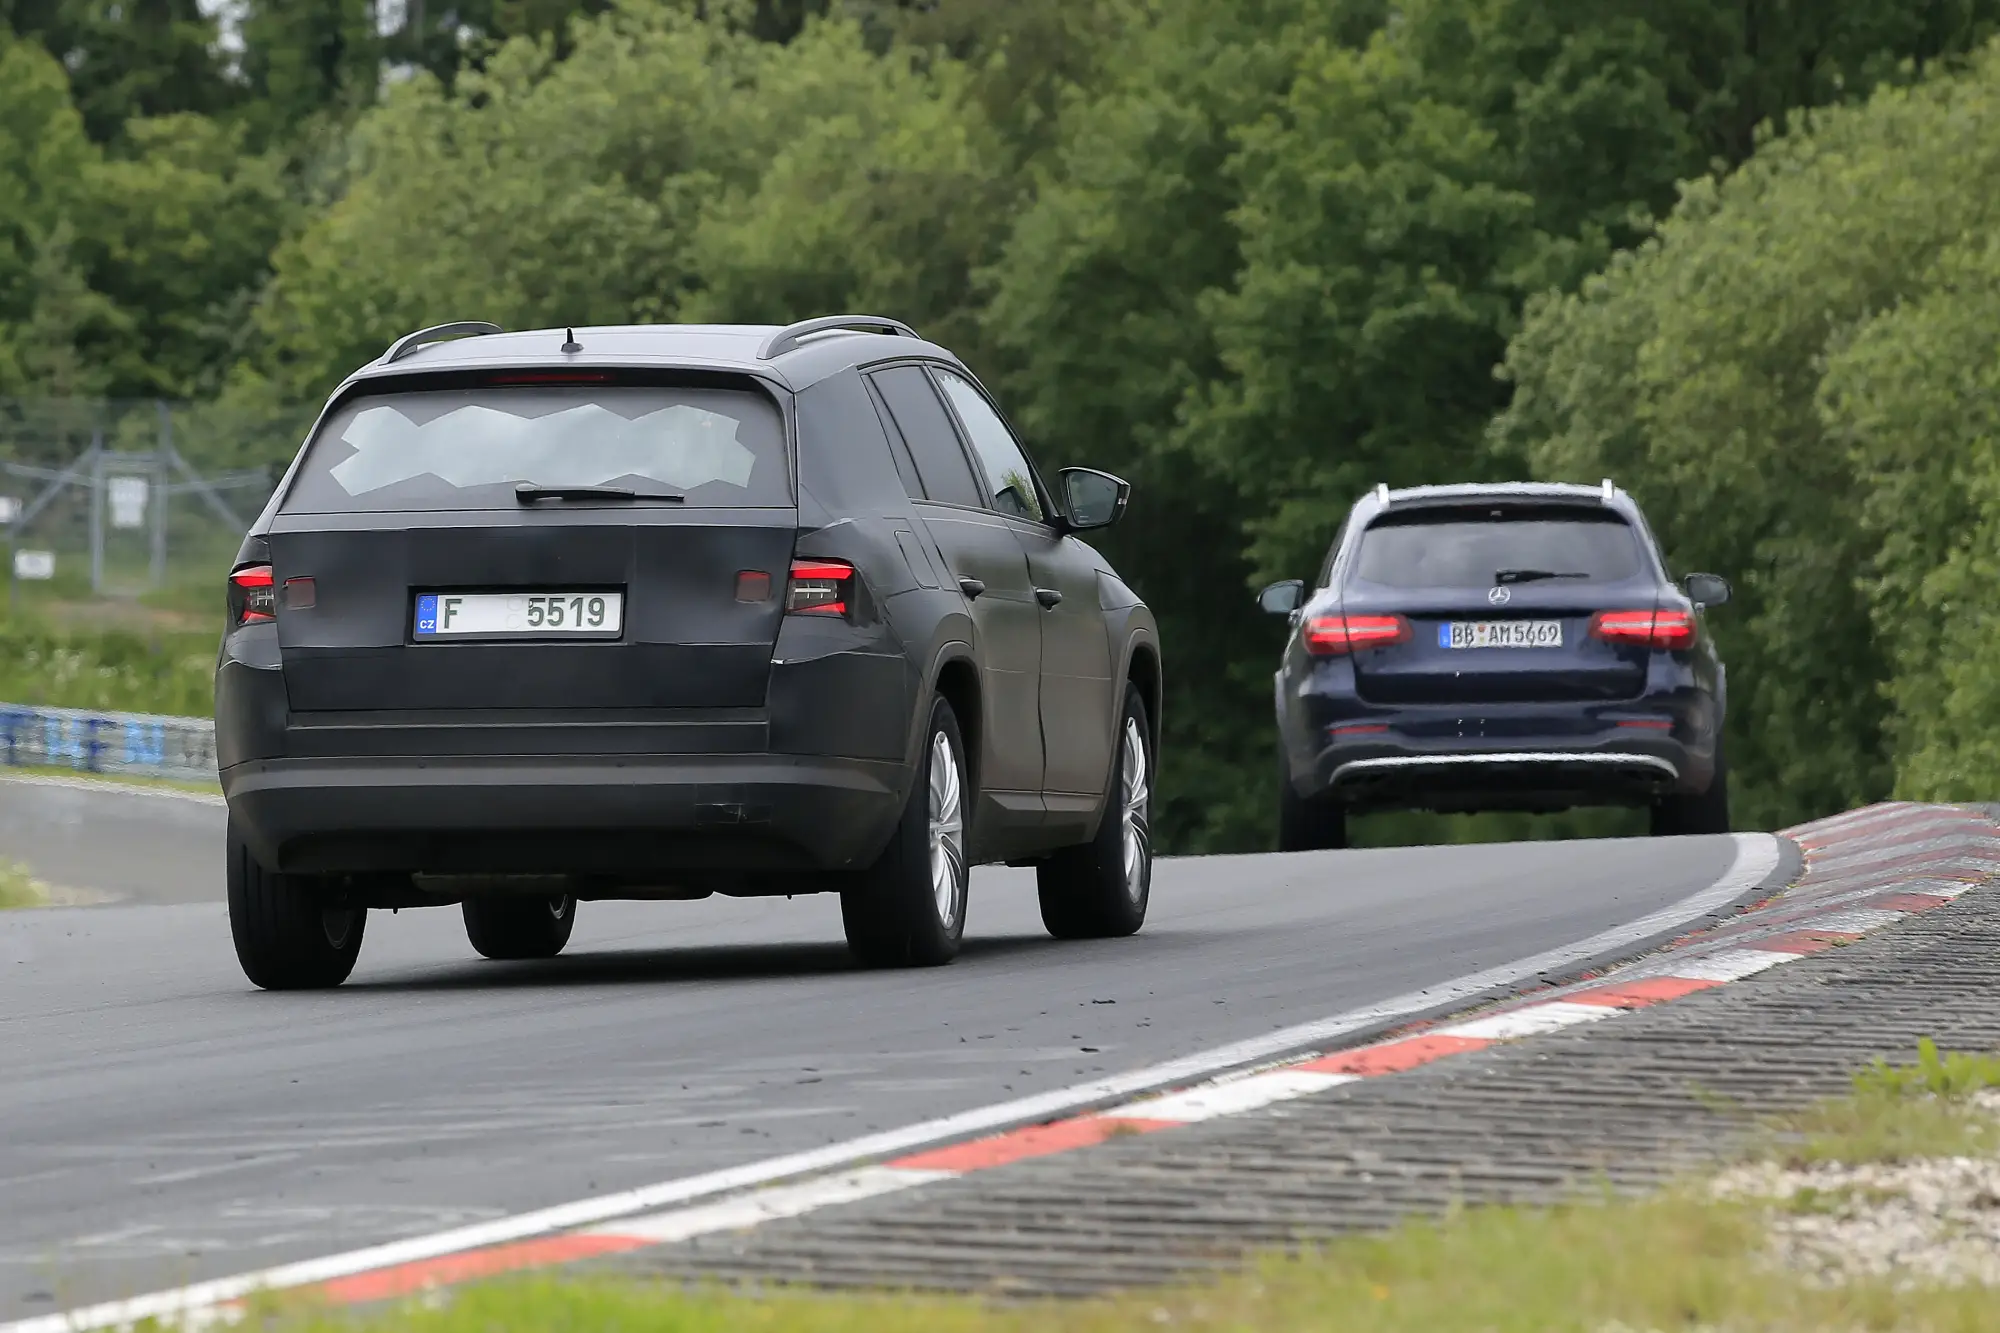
<point>768,1205</point>
<point>1756,855</point>
<point>1854,920</point>
<point>1242,1094</point>
<point>1726,965</point>
<point>116,788</point>
<point>1529,1022</point>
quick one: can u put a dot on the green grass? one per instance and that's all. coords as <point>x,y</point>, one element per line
<point>1680,1260</point>
<point>1897,1113</point>
<point>18,888</point>
<point>113,668</point>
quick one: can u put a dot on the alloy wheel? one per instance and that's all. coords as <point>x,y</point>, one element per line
<point>947,829</point>
<point>1135,790</point>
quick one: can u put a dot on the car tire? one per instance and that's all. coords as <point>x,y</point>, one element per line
<point>507,927</point>
<point>1099,890</point>
<point>1307,826</point>
<point>908,909</point>
<point>1697,813</point>
<point>287,938</point>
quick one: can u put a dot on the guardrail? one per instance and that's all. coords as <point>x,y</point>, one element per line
<point>139,744</point>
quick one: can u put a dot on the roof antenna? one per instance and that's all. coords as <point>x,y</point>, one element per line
<point>572,345</point>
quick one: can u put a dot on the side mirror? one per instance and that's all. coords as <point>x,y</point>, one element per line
<point>1092,499</point>
<point>1283,598</point>
<point>1707,589</point>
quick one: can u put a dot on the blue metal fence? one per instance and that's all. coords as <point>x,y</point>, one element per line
<point>138,744</point>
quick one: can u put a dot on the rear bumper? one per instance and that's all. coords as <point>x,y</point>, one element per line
<point>632,818</point>
<point>1547,779</point>
<point>1499,756</point>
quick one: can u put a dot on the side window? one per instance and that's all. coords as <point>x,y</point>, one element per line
<point>1333,553</point>
<point>899,448</point>
<point>1007,469</point>
<point>942,464</point>
<point>847,460</point>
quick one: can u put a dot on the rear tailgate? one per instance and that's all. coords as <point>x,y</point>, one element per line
<point>410,496</point>
<point>1488,624</point>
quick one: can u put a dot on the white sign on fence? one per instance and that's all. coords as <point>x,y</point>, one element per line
<point>10,509</point>
<point>128,502</point>
<point>34,564</point>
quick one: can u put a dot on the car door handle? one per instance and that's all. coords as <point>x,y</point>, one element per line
<point>971,587</point>
<point>1048,597</point>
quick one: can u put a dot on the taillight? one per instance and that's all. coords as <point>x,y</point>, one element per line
<point>820,588</point>
<point>1330,636</point>
<point>252,599</point>
<point>1654,629</point>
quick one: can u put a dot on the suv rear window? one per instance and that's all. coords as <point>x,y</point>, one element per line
<point>1459,549</point>
<point>469,448</point>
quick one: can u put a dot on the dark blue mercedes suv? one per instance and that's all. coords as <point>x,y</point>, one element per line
<point>1497,647</point>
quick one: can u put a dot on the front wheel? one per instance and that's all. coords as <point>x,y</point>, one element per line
<point>908,909</point>
<point>1101,889</point>
<point>288,934</point>
<point>509,928</point>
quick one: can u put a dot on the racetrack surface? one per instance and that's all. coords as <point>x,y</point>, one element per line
<point>126,844</point>
<point>161,1121</point>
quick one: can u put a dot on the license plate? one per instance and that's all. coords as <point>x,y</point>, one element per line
<point>520,615</point>
<point>1501,634</point>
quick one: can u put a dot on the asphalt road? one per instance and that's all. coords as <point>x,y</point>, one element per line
<point>161,1121</point>
<point>111,842</point>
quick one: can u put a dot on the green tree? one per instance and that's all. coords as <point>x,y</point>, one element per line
<point>1755,374</point>
<point>45,157</point>
<point>1096,314</point>
<point>669,167</point>
<point>127,59</point>
<point>177,234</point>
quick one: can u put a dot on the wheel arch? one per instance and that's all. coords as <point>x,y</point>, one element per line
<point>1142,669</point>
<point>954,678</point>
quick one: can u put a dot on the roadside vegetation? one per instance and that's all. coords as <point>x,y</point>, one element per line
<point>1254,256</point>
<point>111,667</point>
<point>19,888</point>
<point>1714,1254</point>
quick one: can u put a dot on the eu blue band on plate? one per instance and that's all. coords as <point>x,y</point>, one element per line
<point>427,614</point>
<point>1444,636</point>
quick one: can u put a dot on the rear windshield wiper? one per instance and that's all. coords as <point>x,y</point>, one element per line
<point>527,493</point>
<point>1535,575</point>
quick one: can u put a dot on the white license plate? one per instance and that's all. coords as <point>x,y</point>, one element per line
<point>1501,634</point>
<point>520,615</point>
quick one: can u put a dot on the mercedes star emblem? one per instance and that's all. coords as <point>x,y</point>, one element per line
<point>1499,595</point>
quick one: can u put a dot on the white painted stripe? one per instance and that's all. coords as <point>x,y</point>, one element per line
<point>1726,965</point>
<point>1756,856</point>
<point>1855,920</point>
<point>768,1205</point>
<point>1528,1022</point>
<point>135,787</point>
<point>1242,1094</point>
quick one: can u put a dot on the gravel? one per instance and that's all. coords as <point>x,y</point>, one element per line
<point>1933,1220</point>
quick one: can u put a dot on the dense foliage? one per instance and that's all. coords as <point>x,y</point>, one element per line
<point>1799,374</point>
<point>1255,254</point>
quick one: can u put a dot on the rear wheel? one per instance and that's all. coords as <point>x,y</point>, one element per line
<point>1701,812</point>
<point>1307,825</point>
<point>287,935</point>
<point>1100,889</point>
<point>507,927</point>
<point>908,909</point>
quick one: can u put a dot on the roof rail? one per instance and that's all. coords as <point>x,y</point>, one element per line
<point>1610,491</point>
<point>410,342</point>
<point>1382,491</point>
<point>789,337</point>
